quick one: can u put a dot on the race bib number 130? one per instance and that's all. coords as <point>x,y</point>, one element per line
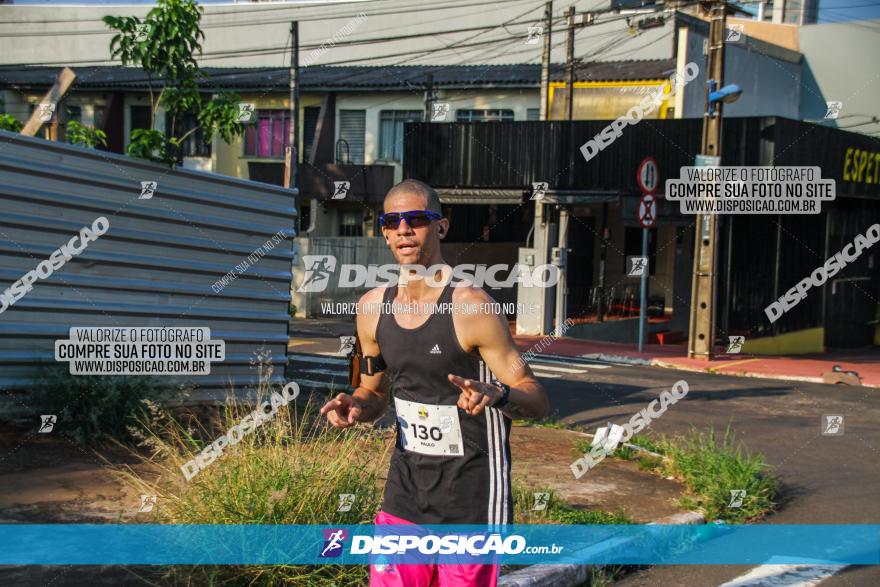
<point>429,429</point>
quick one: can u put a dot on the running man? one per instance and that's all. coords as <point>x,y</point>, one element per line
<point>451,463</point>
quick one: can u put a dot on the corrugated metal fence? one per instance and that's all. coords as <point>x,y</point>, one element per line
<point>157,265</point>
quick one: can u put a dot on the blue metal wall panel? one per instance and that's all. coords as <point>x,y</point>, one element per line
<point>156,264</point>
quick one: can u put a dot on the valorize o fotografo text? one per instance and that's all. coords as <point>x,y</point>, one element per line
<point>750,190</point>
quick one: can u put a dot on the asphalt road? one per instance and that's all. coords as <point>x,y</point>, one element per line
<point>825,479</point>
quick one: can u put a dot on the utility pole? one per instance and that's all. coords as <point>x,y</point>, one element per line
<point>429,97</point>
<point>569,65</point>
<point>545,60</point>
<point>559,254</point>
<point>542,224</point>
<point>701,339</point>
<point>291,154</point>
<point>53,96</point>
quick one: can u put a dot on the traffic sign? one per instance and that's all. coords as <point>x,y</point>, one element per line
<point>648,175</point>
<point>647,211</point>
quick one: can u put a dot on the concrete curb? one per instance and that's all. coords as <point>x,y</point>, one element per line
<point>573,575</point>
<point>734,373</point>
<point>618,359</point>
<point>711,371</point>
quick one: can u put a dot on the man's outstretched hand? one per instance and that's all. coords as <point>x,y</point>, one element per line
<point>342,411</point>
<point>475,395</point>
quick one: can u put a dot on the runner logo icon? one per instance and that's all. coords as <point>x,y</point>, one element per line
<point>147,503</point>
<point>148,189</point>
<point>832,425</point>
<point>736,498</point>
<point>47,423</point>
<point>637,266</point>
<point>539,190</point>
<point>439,111</point>
<point>346,500</point>
<point>832,110</point>
<point>341,189</point>
<point>333,540</point>
<point>48,109</point>
<point>319,269</point>
<point>735,343</point>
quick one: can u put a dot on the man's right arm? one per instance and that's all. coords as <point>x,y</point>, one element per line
<point>370,400</point>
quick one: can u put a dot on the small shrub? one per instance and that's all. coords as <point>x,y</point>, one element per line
<point>10,123</point>
<point>711,470</point>
<point>92,408</point>
<point>87,136</point>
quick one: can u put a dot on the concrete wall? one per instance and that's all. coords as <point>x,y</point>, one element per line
<point>71,34</point>
<point>769,76</point>
<point>841,65</point>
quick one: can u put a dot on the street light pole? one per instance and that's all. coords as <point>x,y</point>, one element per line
<point>701,337</point>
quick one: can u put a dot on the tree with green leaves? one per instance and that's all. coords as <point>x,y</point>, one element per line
<point>87,136</point>
<point>164,45</point>
<point>10,123</point>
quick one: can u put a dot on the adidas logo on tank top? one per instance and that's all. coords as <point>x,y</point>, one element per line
<point>436,350</point>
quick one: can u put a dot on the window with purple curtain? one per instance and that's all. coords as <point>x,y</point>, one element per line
<point>268,136</point>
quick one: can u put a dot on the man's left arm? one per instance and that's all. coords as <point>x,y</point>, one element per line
<point>490,335</point>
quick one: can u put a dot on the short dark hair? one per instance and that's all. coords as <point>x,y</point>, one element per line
<point>414,186</point>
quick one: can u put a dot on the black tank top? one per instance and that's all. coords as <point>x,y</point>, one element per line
<point>435,489</point>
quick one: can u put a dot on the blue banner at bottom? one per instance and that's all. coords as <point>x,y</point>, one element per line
<point>147,544</point>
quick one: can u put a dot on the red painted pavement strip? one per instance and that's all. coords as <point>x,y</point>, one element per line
<point>865,362</point>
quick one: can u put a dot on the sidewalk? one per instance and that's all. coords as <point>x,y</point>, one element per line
<point>866,362</point>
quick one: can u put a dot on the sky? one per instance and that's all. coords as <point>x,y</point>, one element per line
<point>829,10</point>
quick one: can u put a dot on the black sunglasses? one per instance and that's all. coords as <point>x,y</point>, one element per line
<point>414,218</point>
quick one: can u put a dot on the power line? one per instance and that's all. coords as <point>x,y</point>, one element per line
<point>263,51</point>
<point>353,42</point>
<point>407,9</point>
<point>411,54</point>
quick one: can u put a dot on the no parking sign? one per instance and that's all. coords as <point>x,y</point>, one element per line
<point>647,210</point>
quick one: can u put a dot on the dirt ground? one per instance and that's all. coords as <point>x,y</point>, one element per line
<point>45,478</point>
<point>544,455</point>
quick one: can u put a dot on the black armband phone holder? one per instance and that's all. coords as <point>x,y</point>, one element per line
<point>371,365</point>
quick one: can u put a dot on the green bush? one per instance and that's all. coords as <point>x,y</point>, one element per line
<point>90,408</point>
<point>711,470</point>
<point>10,123</point>
<point>87,136</point>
